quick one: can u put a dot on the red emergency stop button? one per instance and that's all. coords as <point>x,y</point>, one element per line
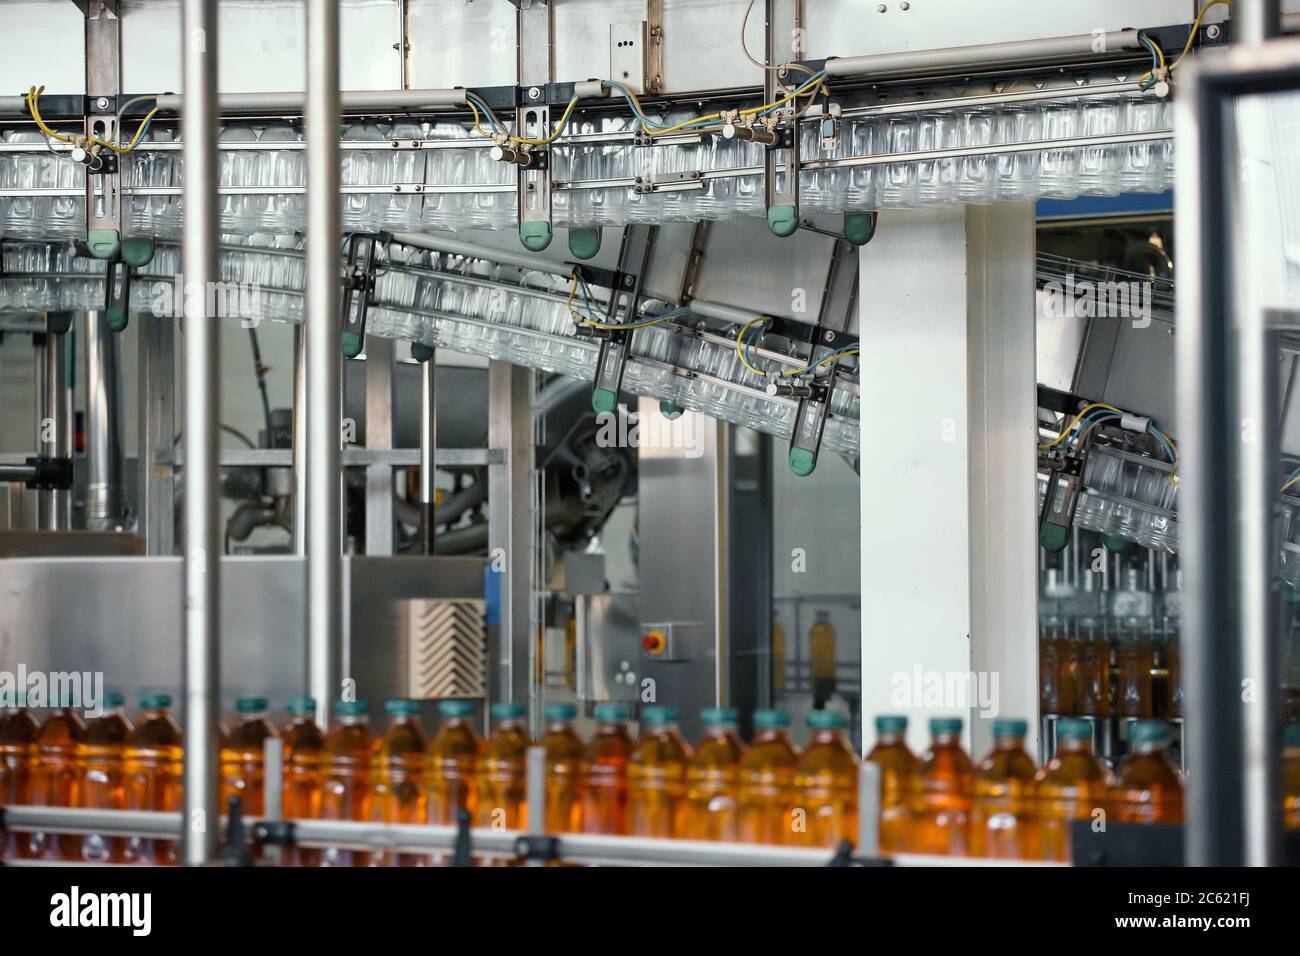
<point>654,642</point>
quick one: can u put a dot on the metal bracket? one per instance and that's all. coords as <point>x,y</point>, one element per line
<point>625,292</point>
<point>674,139</point>
<point>1064,482</point>
<point>809,423</point>
<point>669,182</point>
<point>781,162</point>
<point>50,474</point>
<point>275,833</point>
<point>537,847</point>
<point>694,260</point>
<point>359,276</point>
<point>535,70</point>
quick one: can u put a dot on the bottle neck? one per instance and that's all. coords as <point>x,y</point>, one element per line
<point>1064,745</point>
<point>1009,743</point>
<point>768,734</point>
<point>890,738</point>
<point>510,724</point>
<point>1150,747</point>
<point>559,727</point>
<point>947,740</point>
<point>353,720</point>
<point>719,731</point>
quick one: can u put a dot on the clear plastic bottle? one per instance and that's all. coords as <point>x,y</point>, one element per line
<point>1073,785</point>
<point>102,756</point>
<point>766,782</point>
<point>1003,823</point>
<point>1092,670</point>
<point>18,729</point>
<point>451,762</point>
<point>656,776</point>
<point>55,778</point>
<point>304,747</point>
<point>825,813</point>
<point>1134,657</point>
<point>942,796</point>
<point>1291,777</point>
<point>897,772</point>
<point>396,764</point>
<point>243,761</point>
<point>565,755</point>
<point>712,778</point>
<point>345,794</point>
<point>154,779</point>
<point>1148,786</point>
<point>821,642</point>
<point>604,790</point>
<point>502,786</point>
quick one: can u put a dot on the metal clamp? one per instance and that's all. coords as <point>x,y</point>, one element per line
<point>809,423</point>
<point>538,847</point>
<point>668,182</point>
<point>1064,482</point>
<point>359,276</point>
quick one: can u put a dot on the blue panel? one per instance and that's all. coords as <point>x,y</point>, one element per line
<point>492,593</point>
<point>1089,207</point>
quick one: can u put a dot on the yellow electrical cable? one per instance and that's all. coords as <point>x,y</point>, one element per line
<point>740,340</point>
<point>33,107</point>
<point>1065,432</point>
<point>1289,484</point>
<point>1191,38</point>
<point>628,325</point>
<point>822,361</point>
<point>559,128</point>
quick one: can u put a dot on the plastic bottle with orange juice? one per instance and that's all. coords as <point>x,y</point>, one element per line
<point>304,747</point>
<point>1003,821</point>
<point>396,772</point>
<point>656,776</point>
<point>55,777</point>
<point>502,787</point>
<point>942,792</point>
<point>345,790</point>
<point>18,729</point>
<point>604,785</point>
<point>712,779</point>
<point>103,775</point>
<point>765,782</point>
<point>1073,785</point>
<point>565,753</point>
<point>825,812</point>
<point>1148,787</point>
<point>154,775</point>
<point>897,769</point>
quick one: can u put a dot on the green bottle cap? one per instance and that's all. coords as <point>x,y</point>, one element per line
<point>508,710</point>
<point>402,707</point>
<point>891,724</point>
<point>611,713</point>
<point>718,716</point>
<point>783,220</point>
<point>1010,727</point>
<point>827,720</point>
<point>1149,732</point>
<point>250,705</point>
<point>560,711</point>
<point>535,235</point>
<point>945,725</point>
<point>155,701</point>
<point>113,700</point>
<point>604,400</point>
<point>1072,728</point>
<point>350,708</point>
<point>771,719</point>
<point>300,706</point>
<point>455,708</point>
<point>659,715</point>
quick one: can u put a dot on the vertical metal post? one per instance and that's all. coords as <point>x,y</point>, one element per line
<point>868,809</point>
<point>273,789</point>
<point>324,357</point>
<point>379,435</point>
<point>428,451</point>
<point>510,431</point>
<point>300,440</point>
<point>105,452</point>
<point>1256,21</point>
<point>58,424</point>
<point>199,123</point>
<point>535,793</point>
<point>157,432</point>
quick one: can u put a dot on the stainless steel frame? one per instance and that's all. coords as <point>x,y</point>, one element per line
<point>1226,378</point>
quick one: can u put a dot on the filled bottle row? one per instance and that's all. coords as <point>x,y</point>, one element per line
<point>769,792</point>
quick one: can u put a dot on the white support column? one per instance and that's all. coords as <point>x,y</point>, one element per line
<point>948,497</point>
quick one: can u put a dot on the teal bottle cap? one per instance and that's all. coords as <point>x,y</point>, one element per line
<point>113,699</point>
<point>155,701</point>
<point>659,715</point>
<point>300,706</point>
<point>945,725</point>
<point>1291,735</point>
<point>827,720</point>
<point>1149,732</point>
<point>455,708</point>
<point>718,716</point>
<point>508,710</point>
<point>350,708</point>
<point>402,707</point>
<point>1072,728</point>
<point>611,713</point>
<point>891,724</point>
<point>250,705</point>
<point>1010,727</point>
<point>560,711</point>
<point>771,719</point>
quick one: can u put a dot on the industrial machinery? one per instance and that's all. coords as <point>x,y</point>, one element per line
<point>545,351</point>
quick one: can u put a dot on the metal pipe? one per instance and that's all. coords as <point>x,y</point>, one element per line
<point>535,782</point>
<point>202,610</point>
<point>299,441</point>
<point>1017,53</point>
<point>273,787</point>
<point>1256,21</point>
<point>105,449</point>
<point>868,809</point>
<point>428,451</point>
<point>324,603</point>
<point>58,413</point>
<point>350,100</point>
<point>472,250</point>
<point>17,473</point>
